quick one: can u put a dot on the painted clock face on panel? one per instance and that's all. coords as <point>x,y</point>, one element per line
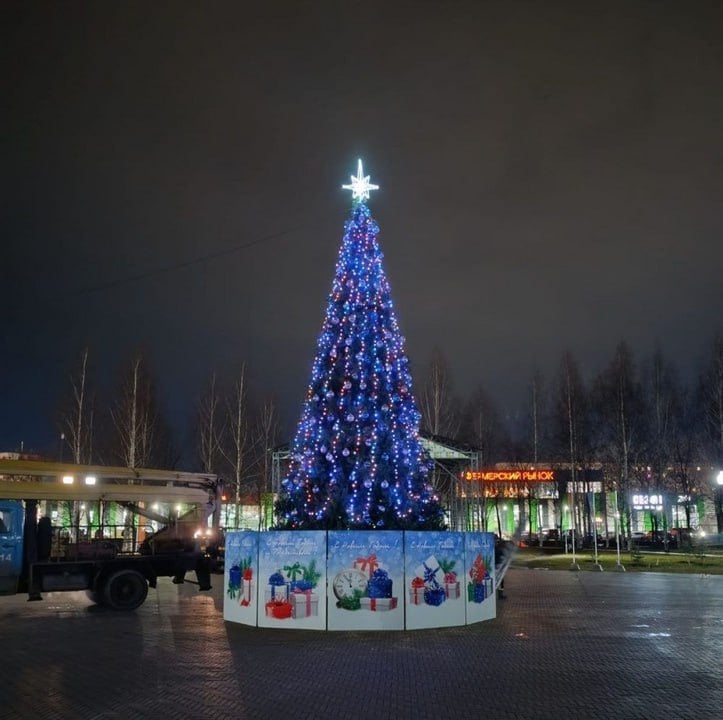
<point>347,581</point>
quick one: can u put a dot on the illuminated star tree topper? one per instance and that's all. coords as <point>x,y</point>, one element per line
<point>360,185</point>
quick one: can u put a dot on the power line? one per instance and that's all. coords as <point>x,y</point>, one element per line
<point>179,265</point>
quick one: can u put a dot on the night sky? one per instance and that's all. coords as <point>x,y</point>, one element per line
<point>551,178</point>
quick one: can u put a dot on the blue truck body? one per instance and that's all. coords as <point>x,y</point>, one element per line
<point>111,577</point>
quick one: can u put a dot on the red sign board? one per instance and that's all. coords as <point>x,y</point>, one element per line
<point>509,475</point>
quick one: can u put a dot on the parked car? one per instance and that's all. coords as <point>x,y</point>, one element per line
<point>659,538</point>
<point>551,537</point>
<point>529,539</point>
<point>578,539</point>
<point>681,536</point>
<point>588,541</point>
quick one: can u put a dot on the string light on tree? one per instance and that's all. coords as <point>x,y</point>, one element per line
<point>356,460</point>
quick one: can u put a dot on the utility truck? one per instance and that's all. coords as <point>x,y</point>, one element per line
<point>39,553</point>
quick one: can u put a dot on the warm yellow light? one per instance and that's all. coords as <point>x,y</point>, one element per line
<point>90,479</point>
<point>67,479</point>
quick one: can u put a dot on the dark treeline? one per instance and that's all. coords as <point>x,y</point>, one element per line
<point>231,433</point>
<point>641,420</point>
<point>647,426</point>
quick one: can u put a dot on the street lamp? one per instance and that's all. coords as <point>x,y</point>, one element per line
<point>719,501</point>
<point>596,562</point>
<point>618,565</point>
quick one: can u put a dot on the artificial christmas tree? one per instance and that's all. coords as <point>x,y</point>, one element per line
<point>356,461</point>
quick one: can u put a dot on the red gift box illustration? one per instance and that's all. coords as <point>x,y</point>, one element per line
<point>279,610</point>
<point>478,570</point>
<point>305,603</point>
<point>416,591</point>
<point>247,587</point>
<point>367,564</point>
<point>378,604</point>
<point>450,582</point>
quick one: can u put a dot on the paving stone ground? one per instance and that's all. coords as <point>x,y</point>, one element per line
<point>564,645</point>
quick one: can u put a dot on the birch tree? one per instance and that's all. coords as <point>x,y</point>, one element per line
<point>482,428</point>
<point>76,423</point>
<point>536,441</point>
<point>267,436</point>
<point>571,441</point>
<point>210,429</point>
<point>711,392</point>
<point>619,415</point>
<point>238,438</point>
<point>537,412</point>
<point>134,417</point>
<point>77,418</point>
<point>439,408</point>
<point>440,413</point>
<point>660,396</point>
<point>685,427</point>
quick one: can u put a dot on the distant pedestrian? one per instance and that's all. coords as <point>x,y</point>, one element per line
<point>500,554</point>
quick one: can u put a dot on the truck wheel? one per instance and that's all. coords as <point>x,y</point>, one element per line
<point>125,590</point>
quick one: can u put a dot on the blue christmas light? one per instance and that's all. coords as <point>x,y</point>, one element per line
<point>356,459</point>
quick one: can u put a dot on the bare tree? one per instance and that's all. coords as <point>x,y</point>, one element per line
<point>684,433</point>
<point>210,429</point>
<point>536,412</point>
<point>711,392</point>
<point>712,401</point>
<point>620,430</point>
<point>77,419</point>
<point>239,439</point>
<point>439,408</point>
<point>537,415</point>
<point>76,423</point>
<point>440,414</point>
<point>660,395</point>
<point>482,427</point>
<point>569,421</point>
<point>134,417</point>
<point>267,434</point>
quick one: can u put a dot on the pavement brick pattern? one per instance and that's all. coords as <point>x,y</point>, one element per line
<point>565,645</point>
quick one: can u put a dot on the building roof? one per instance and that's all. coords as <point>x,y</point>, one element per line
<point>33,479</point>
